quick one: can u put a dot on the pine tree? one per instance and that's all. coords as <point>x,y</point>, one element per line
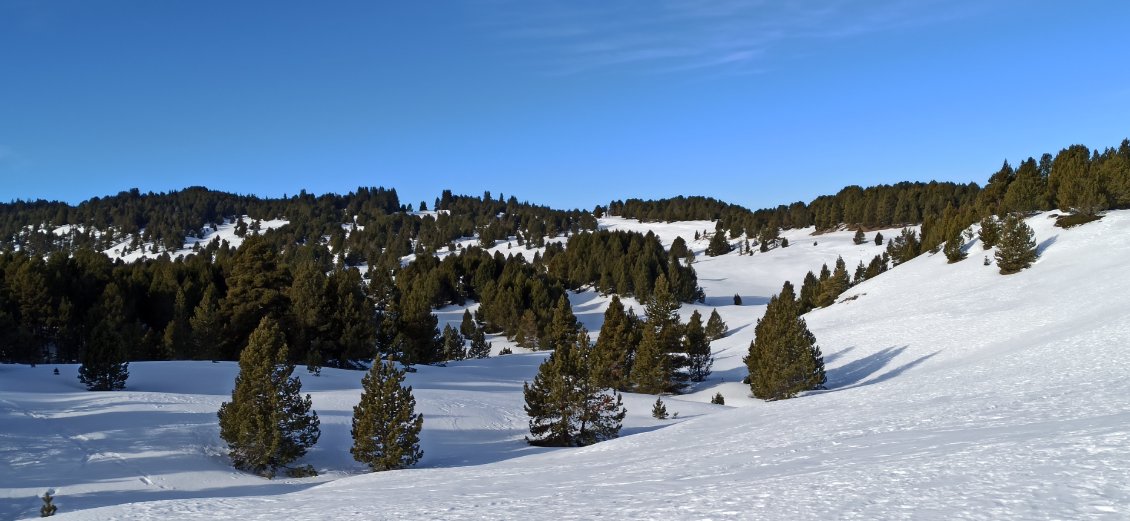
<point>467,326</point>
<point>697,347</point>
<point>267,424</point>
<point>256,288</point>
<point>989,232</point>
<point>659,410</point>
<point>737,299</point>
<point>859,238</point>
<point>837,283</point>
<point>480,348</point>
<point>718,399</point>
<point>565,404</point>
<point>715,327</point>
<point>562,327</point>
<point>454,345</point>
<point>1017,247</point>
<point>878,238</point>
<point>386,426</point>
<point>651,369</point>
<point>718,245</point>
<point>615,348</point>
<point>783,359</point>
<point>105,364</point>
<point>48,509</point>
<point>953,248</point>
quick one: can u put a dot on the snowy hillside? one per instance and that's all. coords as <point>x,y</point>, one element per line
<point>953,393</point>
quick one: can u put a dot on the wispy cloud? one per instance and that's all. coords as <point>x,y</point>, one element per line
<point>566,37</point>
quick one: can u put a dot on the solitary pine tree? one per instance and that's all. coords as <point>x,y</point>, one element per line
<point>659,410</point>
<point>386,426</point>
<point>565,404</point>
<point>715,327</point>
<point>467,326</point>
<point>859,238</point>
<point>611,359</point>
<point>105,365</point>
<point>1017,247</point>
<point>267,424</point>
<point>562,327</point>
<point>697,346</point>
<point>783,359</point>
<point>878,239</point>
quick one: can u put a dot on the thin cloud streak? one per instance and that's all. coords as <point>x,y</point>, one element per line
<point>671,36</point>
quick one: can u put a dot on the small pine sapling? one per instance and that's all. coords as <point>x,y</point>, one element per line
<point>718,399</point>
<point>48,509</point>
<point>737,299</point>
<point>659,410</point>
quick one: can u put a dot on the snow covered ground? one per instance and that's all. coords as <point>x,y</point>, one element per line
<point>953,393</point>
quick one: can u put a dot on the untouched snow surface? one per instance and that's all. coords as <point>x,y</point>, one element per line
<point>953,393</point>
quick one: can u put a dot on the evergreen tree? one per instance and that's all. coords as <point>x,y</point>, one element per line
<point>454,345</point>
<point>663,319</point>
<point>480,348</point>
<point>737,299</point>
<point>718,399</point>
<point>267,424</point>
<point>256,289</point>
<point>105,361</point>
<point>527,332</point>
<point>1027,192</point>
<point>386,426</point>
<point>615,346</point>
<point>859,238</point>
<point>718,245</point>
<point>715,327</point>
<point>659,410</point>
<point>697,347</point>
<point>783,359</point>
<point>878,239</point>
<point>563,327</point>
<point>809,292</point>
<point>566,406</point>
<point>837,283</point>
<point>989,232</point>
<point>467,326</point>
<point>953,248</point>
<point>1017,247</point>
<point>651,368</point>
<point>48,509</point>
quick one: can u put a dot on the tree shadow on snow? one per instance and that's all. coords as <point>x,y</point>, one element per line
<point>857,373</point>
<point>1044,244</point>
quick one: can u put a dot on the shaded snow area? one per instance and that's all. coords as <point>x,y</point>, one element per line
<point>953,393</point>
<point>223,232</point>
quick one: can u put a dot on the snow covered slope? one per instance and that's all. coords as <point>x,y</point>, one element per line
<point>953,393</point>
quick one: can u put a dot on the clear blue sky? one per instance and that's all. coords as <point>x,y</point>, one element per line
<point>566,103</point>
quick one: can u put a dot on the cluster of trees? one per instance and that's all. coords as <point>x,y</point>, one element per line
<point>268,424</point>
<point>626,263</point>
<point>783,358</point>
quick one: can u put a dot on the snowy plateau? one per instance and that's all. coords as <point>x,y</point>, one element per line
<point>953,393</point>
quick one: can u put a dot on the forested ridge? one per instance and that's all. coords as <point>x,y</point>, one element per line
<point>335,275</point>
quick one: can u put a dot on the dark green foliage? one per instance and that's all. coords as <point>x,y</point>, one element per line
<point>953,248</point>
<point>737,299</point>
<point>565,404</point>
<point>1028,191</point>
<point>563,328</point>
<point>715,327</point>
<point>989,232</point>
<point>1017,247</point>
<point>1073,220</point>
<point>719,245</point>
<point>480,348</point>
<point>718,399</point>
<point>696,344</point>
<point>651,368</point>
<point>660,356</point>
<point>659,410</point>
<point>467,326</point>
<point>386,427</point>
<point>267,424</point>
<point>626,263</point>
<point>835,284</point>
<point>859,238</point>
<point>783,359</point>
<point>105,365</point>
<point>903,247</point>
<point>48,509</point>
<point>615,348</point>
<point>454,345</point>
<point>878,238</point>
<point>810,292</point>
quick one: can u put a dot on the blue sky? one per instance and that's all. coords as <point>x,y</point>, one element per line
<point>565,103</point>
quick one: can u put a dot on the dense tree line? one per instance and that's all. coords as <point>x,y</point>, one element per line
<point>626,263</point>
